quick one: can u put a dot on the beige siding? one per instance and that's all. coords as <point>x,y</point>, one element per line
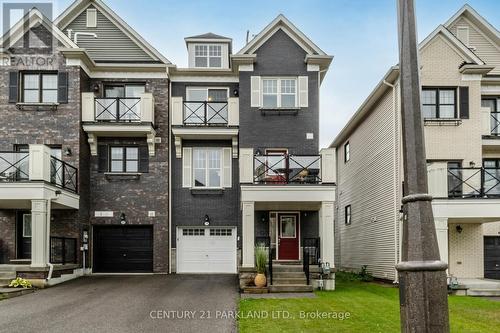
<point>111,43</point>
<point>484,48</point>
<point>367,183</point>
<point>491,229</point>
<point>466,251</point>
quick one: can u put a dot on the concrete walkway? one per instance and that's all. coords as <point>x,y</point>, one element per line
<point>155,303</point>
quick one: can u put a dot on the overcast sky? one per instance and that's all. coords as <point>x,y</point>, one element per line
<point>360,34</point>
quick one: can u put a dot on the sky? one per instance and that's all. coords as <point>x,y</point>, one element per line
<point>360,34</point>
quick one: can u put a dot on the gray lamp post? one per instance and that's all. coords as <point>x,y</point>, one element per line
<point>422,277</point>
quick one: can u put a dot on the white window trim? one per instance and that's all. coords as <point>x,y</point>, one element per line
<point>221,169</point>
<point>208,55</point>
<point>278,91</point>
<point>206,91</point>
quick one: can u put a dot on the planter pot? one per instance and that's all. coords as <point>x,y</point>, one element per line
<point>260,280</point>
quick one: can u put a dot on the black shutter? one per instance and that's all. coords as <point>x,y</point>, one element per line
<point>102,155</point>
<point>464,102</point>
<point>143,159</point>
<point>13,87</point>
<point>62,87</point>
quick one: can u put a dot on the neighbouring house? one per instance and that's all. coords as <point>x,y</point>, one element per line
<point>114,160</point>
<point>84,146</point>
<point>246,165</point>
<point>460,78</point>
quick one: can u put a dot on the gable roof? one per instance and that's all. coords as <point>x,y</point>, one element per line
<point>470,13</point>
<point>33,17</point>
<point>208,35</point>
<point>77,7</point>
<point>281,22</point>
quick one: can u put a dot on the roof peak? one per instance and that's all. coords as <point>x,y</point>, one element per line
<point>208,35</point>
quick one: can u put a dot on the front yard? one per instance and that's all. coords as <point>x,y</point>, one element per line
<point>358,307</point>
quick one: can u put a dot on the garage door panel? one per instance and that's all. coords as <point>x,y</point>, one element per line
<point>205,251</point>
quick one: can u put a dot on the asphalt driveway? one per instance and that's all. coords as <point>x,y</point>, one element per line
<point>154,303</point>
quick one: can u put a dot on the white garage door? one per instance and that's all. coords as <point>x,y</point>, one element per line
<point>206,250</point>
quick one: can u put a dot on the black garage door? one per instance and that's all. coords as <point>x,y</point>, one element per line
<point>123,249</point>
<point>492,257</point>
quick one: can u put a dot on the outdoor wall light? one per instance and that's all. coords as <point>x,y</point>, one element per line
<point>236,92</point>
<point>67,151</point>
<point>122,218</point>
<point>96,88</point>
<point>472,164</point>
<point>459,229</point>
<point>207,220</point>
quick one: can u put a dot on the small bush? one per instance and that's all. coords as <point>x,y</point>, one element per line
<point>20,283</point>
<point>363,275</point>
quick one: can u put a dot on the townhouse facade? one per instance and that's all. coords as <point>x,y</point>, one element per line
<point>460,67</point>
<point>114,160</point>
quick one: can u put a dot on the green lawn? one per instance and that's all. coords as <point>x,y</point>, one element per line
<point>372,308</point>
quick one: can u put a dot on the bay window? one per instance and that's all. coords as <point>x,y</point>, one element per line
<point>279,92</point>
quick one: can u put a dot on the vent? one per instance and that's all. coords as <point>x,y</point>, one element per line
<point>91,18</point>
<point>463,35</point>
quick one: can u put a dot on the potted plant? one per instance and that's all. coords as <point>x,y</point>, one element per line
<point>260,265</point>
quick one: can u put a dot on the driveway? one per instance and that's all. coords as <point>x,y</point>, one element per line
<point>154,303</point>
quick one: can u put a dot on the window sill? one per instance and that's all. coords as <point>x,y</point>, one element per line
<point>207,191</point>
<point>37,106</point>
<point>122,175</point>
<point>442,122</point>
<point>279,111</point>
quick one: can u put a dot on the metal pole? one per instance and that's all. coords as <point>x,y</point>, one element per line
<point>422,277</point>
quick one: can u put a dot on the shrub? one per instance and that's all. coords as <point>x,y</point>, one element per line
<point>260,259</point>
<point>20,283</point>
<point>363,275</point>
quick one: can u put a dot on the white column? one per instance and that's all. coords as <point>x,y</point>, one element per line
<point>326,232</point>
<point>39,232</point>
<point>442,237</point>
<point>248,234</point>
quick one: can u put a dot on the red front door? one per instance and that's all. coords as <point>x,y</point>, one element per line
<point>288,236</point>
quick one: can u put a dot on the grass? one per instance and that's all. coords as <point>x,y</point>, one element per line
<point>372,308</point>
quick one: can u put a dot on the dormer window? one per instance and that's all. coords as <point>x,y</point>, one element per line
<point>208,56</point>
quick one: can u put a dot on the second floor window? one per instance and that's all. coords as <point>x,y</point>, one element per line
<point>279,93</point>
<point>493,103</point>
<point>206,55</point>
<point>39,88</point>
<point>124,159</point>
<point>207,167</point>
<point>439,103</point>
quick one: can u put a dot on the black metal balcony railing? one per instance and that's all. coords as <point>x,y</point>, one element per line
<point>63,250</point>
<point>118,109</point>
<point>205,113</point>
<point>287,169</point>
<point>63,175</point>
<point>14,166</point>
<point>473,182</point>
<point>495,123</point>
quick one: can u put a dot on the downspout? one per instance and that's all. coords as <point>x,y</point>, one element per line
<point>395,178</point>
<point>49,208</point>
<point>169,177</point>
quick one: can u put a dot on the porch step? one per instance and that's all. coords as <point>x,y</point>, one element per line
<point>287,268</point>
<point>483,292</point>
<point>290,288</point>
<point>7,275</point>
<point>287,262</point>
<point>288,275</point>
<point>287,280</point>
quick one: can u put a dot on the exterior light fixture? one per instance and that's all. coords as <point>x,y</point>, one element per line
<point>459,229</point>
<point>236,92</point>
<point>67,151</point>
<point>207,220</point>
<point>122,218</point>
<point>472,164</point>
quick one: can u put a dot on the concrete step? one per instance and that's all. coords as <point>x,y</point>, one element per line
<point>288,268</point>
<point>483,292</point>
<point>289,275</point>
<point>287,262</point>
<point>7,275</point>
<point>282,280</point>
<point>14,292</point>
<point>290,288</point>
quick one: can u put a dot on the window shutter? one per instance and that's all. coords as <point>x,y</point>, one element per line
<point>143,159</point>
<point>303,92</point>
<point>62,87</point>
<point>226,163</point>
<point>186,167</point>
<point>464,102</point>
<point>255,92</point>
<point>13,87</point>
<point>102,156</point>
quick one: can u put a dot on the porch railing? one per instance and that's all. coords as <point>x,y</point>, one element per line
<point>495,123</point>
<point>63,175</point>
<point>205,113</point>
<point>473,182</point>
<point>310,255</point>
<point>14,166</point>
<point>287,169</point>
<point>63,250</point>
<point>266,242</point>
<point>118,109</point>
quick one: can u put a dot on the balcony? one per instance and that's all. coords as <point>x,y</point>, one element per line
<point>490,129</point>
<point>204,120</point>
<point>32,175</point>
<point>287,169</point>
<point>118,117</point>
